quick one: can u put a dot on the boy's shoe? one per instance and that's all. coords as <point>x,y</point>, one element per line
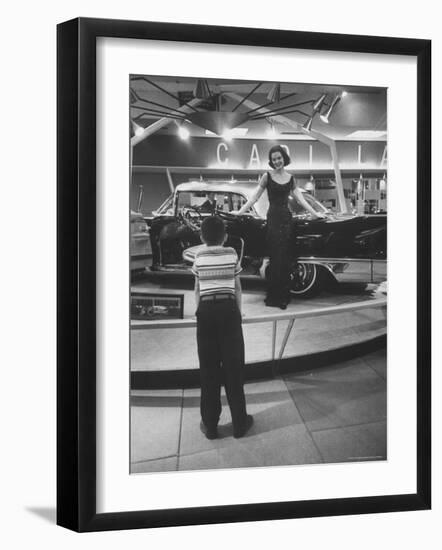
<point>245,428</point>
<point>210,433</point>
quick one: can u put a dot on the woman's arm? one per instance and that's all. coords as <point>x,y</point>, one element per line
<point>298,196</point>
<point>261,186</point>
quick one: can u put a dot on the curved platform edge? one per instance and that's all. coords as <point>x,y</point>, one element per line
<point>189,378</point>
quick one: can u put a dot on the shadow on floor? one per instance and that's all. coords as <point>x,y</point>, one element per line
<point>48,514</point>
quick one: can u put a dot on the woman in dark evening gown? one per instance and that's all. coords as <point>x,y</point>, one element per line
<point>279,228</point>
<point>279,184</point>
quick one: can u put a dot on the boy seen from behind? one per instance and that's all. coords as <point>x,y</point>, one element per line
<point>219,330</point>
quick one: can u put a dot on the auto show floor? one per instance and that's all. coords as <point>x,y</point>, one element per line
<point>161,349</point>
<point>326,415</point>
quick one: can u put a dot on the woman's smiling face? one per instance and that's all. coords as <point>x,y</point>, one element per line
<point>277,160</point>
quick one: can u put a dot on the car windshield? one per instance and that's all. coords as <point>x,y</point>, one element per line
<point>298,209</point>
<point>207,202</point>
<point>165,208</point>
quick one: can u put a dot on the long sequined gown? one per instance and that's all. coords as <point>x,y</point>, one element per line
<point>279,228</point>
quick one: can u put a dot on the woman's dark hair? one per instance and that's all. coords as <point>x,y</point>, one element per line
<point>279,149</point>
<point>213,230</point>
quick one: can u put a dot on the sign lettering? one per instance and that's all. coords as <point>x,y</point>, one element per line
<point>254,157</point>
<point>218,153</point>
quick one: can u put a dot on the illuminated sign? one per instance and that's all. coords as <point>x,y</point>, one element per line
<point>164,150</point>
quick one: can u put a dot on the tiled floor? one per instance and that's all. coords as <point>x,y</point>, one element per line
<point>332,414</point>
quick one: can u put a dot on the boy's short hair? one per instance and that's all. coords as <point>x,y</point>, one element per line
<point>213,230</point>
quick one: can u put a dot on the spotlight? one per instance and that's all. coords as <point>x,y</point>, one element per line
<point>138,130</point>
<point>227,135</point>
<point>327,114</point>
<point>308,124</point>
<point>202,90</point>
<point>318,103</point>
<point>275,93</point>
<point>183,132</point>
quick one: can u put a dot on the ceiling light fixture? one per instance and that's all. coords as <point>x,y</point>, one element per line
<point>207,114</point>
<point>227,135</point>
<point>275,93</point>
<point>183,132</point>
<point>202,90</point>
<point>325,117</point>
<point>308,124</point>
<point>138,130</point>
<point>318,103</point>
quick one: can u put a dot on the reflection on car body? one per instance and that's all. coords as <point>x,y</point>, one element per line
<point>346,248</point>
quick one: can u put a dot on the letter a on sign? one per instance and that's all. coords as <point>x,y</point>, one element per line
<point>254,157</point>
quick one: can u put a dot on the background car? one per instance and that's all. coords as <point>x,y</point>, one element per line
<point>341,248</point>
<point>140,252</point>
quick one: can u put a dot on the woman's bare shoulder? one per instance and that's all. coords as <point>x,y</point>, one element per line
<point>263,180</point>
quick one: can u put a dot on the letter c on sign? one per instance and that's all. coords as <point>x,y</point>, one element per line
<point>218,153</point>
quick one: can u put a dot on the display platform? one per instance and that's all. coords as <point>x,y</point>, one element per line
<point>306,335</point>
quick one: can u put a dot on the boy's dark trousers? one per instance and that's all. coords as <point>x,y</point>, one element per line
<point>221,355</point>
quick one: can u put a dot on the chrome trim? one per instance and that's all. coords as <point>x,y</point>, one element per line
<point>343,270</point>
<point>351,270</point>
<point>311,259</point>
<point>347,270</point>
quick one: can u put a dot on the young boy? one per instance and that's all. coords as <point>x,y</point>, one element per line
<point>219,331</point>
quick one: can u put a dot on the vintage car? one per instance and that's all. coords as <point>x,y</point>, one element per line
<point>339,248</point>
<point>139,242</point>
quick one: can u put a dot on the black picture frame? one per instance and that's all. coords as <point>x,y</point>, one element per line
<point>77,287</point>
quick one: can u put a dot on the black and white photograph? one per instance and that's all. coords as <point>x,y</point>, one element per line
<point>227,217</point>
<point>264,205</point>
<point>243,256</point>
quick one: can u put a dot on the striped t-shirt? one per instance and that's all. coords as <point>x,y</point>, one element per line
<point>216,267</point>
